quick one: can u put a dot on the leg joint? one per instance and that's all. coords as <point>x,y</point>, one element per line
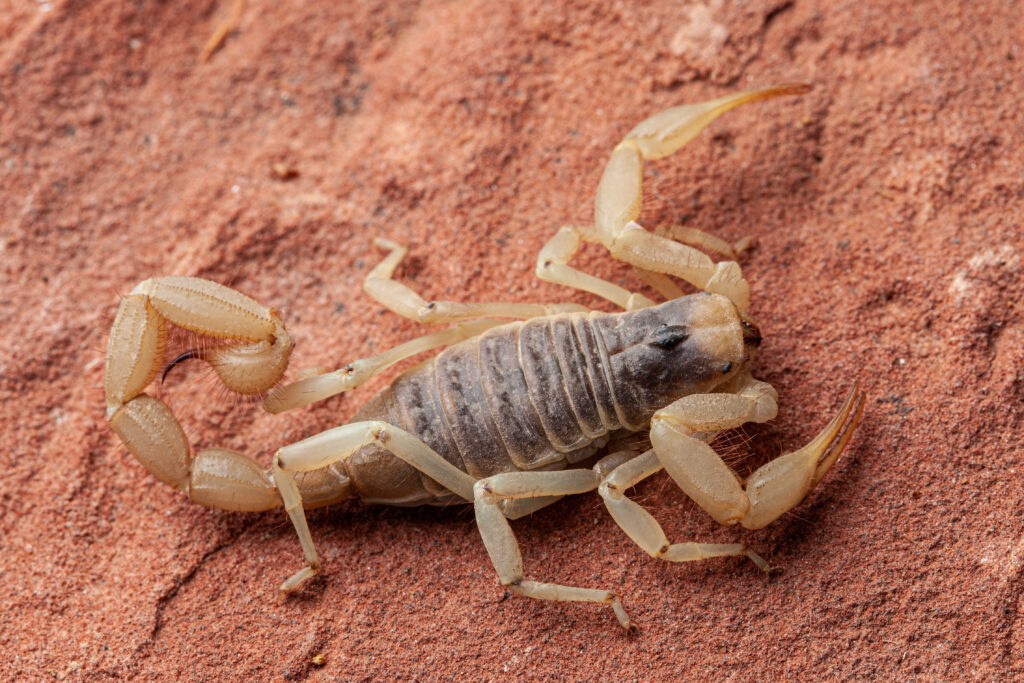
<point>609,490</point>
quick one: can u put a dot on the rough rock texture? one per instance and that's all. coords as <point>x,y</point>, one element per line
<point>887,209</point>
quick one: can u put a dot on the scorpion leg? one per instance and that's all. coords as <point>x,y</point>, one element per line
<point>400,299</point>
<point>641,526</point>
<point>333,445</point>
<point>617,206</point>
<point>770,491</point>
<point>663,284</point>
<point>704,239</point>
<point>552,266</point>
<point>501,544</point>
<point>321,385</point>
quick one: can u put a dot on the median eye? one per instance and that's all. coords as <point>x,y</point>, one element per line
<point>668,336</point>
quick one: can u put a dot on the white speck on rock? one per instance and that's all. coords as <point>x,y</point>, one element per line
<point>700,38</point>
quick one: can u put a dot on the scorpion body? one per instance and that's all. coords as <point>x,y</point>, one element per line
<point>547,393</point>
<point>511,416</point>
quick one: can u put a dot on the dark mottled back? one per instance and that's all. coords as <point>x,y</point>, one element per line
<point>546,393</point>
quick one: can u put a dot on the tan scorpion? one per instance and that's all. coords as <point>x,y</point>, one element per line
<point>511,416</point>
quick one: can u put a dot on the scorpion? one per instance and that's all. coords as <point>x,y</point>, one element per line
<point>511,416</point>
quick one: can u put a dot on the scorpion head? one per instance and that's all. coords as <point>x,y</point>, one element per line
<point>694,344</point>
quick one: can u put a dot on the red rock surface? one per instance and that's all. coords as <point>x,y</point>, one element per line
<point>886,204</point>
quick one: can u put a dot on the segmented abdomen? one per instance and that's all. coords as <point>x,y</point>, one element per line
<point>523,396</point>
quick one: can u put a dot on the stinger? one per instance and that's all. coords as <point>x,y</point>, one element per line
<point>191,353</point>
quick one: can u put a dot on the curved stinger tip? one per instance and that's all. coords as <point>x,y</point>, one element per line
<point>191,353</point>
